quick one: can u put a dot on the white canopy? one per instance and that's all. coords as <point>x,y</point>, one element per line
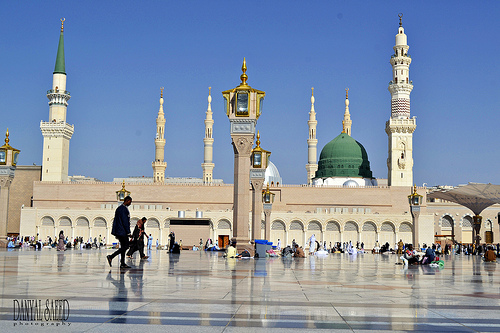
<point>475,196</point>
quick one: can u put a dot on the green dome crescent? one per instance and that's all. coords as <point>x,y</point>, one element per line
<point>343,157</point>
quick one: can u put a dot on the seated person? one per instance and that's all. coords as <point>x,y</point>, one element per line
<point>231,250</point>
<point>489,255</point>
<point>299,253</point>
<point>411,256</point>
<point>287,251</point>
<point>429,256</point>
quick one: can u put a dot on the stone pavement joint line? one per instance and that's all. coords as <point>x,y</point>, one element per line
<point>203,292</point>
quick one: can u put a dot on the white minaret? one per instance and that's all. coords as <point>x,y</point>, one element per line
<point>158,164</point>
<point>208,143</point>
<point>56,132</point>
<point>347,122</point>
<point>312,142</point>
<point>400,126</point>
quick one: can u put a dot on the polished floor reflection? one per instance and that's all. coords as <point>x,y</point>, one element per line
<point>202,292</point>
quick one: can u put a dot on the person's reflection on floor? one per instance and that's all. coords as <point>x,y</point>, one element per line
<point>172,260</point>
<point>60,261</point>
<point>118,304</point>
<point>136,276</point>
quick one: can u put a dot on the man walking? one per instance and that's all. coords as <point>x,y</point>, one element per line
<point>121,230</point>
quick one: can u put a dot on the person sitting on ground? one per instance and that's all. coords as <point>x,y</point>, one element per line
<point>429,256</point>
<point>231,250</point>
<point>299,253</point>
<point>287,252</point>
<point>489,255</point>
<point>411,256</point>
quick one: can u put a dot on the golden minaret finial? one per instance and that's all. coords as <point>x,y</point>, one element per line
<point>244,76</point>
<point>258,140</point>
<point>400,18</point>
<point>209,91</point>
<point>7,137</point>
<point>62,24</point>
<point>312,91</point>
<point>161,93</point>
<point>346,93</point>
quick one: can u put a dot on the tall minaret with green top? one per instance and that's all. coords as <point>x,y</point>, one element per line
<point>56,132</point>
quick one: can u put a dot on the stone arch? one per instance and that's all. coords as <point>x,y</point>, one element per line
<point>388,227</point>
<point>467,231</point>
<point>47,228</point>
<point>100,222</point>
<point>351,226</point>
<point>446,221</point>
<point>467,221</point>
<point>152,228</point>
<point>406,232</point>
<point>387,233</point>
<point>332,233</point>
<point>351,232</point>
<point>296,231</point>
<point>314,226</point>
<point>152,223</point>
<point>133,222</point>
<point>65,221</point>
<point>296,225</point>
<point>369,226</point>
<point>278,231</point>
<point>369,234</point>
<point>332,226</point>
<point>82,221</point>
<point>405,227</point>
<point>100,226</point>
<point>278,225</point>
<point>82,228</point>
<point>47,221</point>
<point>224,224</point>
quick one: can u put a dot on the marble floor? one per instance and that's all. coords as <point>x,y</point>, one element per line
<point>203,292</point>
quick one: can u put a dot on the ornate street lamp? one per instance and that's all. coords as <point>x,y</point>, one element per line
<point>8,161</point>
<point>267,199</point>
<point>415,200</point>
<point>121,194</point>
<point>259,160</point>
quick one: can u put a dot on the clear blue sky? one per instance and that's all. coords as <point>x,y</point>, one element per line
<point>119,54</point>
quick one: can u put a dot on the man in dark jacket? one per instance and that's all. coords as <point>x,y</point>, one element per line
<point>121,230</point>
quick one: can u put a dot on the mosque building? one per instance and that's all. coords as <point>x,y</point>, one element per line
<point>341,202</point>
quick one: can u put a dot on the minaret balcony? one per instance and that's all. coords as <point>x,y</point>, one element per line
<point>51,91</point>
<point>58,97</point>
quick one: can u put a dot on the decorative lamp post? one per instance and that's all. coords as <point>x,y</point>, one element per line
<point>477,228</point>
<point>259,160</point>
<point>121,194</point>
<point>243,106</point>
<point>8,161</point>
<point>415,201</point>
<point>268,199</point>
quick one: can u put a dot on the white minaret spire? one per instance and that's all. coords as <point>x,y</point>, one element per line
<point>208,143</point>
<point>56,132</point>
<point>158,164</point>
<point>400,126</point>
<point>347,122</point>
<point>312,142</point>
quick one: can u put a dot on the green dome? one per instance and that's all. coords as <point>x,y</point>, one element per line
<point>343,157</point>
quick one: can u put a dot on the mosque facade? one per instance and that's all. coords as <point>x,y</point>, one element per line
<point>341,202</point>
